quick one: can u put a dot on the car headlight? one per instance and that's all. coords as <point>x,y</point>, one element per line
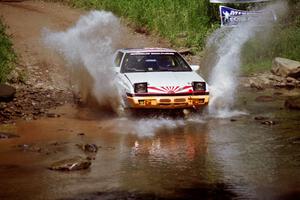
<point>140,87</point>
<point>199,86</point>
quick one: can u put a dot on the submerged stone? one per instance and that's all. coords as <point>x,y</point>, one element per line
<point>4,135</point>
<point>29,148</point>
<point>292,103</point>
<point>71,164</point>
<point>93,148</point>
<point>258,118</point>
<point>268,122</point>
<point>264,99</point>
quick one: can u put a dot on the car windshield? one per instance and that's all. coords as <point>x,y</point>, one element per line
<point>154,62</point>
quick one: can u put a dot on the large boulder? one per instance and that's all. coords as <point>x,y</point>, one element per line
<point>286,68</point>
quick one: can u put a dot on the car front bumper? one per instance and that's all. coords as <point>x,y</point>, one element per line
<point>168,102</point>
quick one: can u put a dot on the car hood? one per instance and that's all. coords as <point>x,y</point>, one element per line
<point>157,79</point>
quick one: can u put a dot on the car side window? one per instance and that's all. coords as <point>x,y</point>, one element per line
<point>118,59</point>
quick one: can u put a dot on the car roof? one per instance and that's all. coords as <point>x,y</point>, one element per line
<point>146,50</point>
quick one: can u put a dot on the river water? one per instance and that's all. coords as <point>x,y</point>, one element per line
<point>201,157</point>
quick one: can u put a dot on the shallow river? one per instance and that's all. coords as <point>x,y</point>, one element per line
<point>201,157</point>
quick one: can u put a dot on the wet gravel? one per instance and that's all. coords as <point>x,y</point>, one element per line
<point>30,103</point>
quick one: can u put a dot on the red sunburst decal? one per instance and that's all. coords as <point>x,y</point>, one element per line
<point>169,89</point>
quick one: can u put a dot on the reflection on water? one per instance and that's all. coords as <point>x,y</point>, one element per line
<point>156,158</point>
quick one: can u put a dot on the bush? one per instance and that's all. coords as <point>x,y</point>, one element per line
<point>283,42</point>
<point>7,55</point>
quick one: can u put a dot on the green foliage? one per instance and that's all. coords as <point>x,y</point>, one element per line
<point>184,23</point>
<point>7,55</point>
<point>187,23</point>
<point>256,66</point>
<point>284,42</point>
<point>257,55</point>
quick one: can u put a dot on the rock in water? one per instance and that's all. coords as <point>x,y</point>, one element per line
<point>264,99</point>
<point>76,163</point>
<point>29,148</point>
<point>7,135</point>
<point>88,147</point>
<point>292,103</point>
<point>286,68</point>
<point>268,122</point>
<point>259,118</point>
<point>91,148</point>
<point>7,92</point>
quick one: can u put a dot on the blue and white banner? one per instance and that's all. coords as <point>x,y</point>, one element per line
<point>232,17</point>
<point>236,1</point>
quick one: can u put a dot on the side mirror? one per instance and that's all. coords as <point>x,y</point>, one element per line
<point>195,67</point>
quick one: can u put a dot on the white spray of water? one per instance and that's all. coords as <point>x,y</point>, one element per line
<point>229,44</point>
<point>145,127</point>
<point>88,48</point>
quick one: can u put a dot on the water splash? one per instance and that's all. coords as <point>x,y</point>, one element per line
<point>145,127</point>
<point>88,48</point>
<point>227,44</point>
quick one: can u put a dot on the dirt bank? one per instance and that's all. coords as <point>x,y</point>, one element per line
<point>45,73</point>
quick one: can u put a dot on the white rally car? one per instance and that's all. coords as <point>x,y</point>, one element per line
<point>159,78</point>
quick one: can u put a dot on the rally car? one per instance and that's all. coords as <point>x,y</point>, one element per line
<point>159,78</point>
